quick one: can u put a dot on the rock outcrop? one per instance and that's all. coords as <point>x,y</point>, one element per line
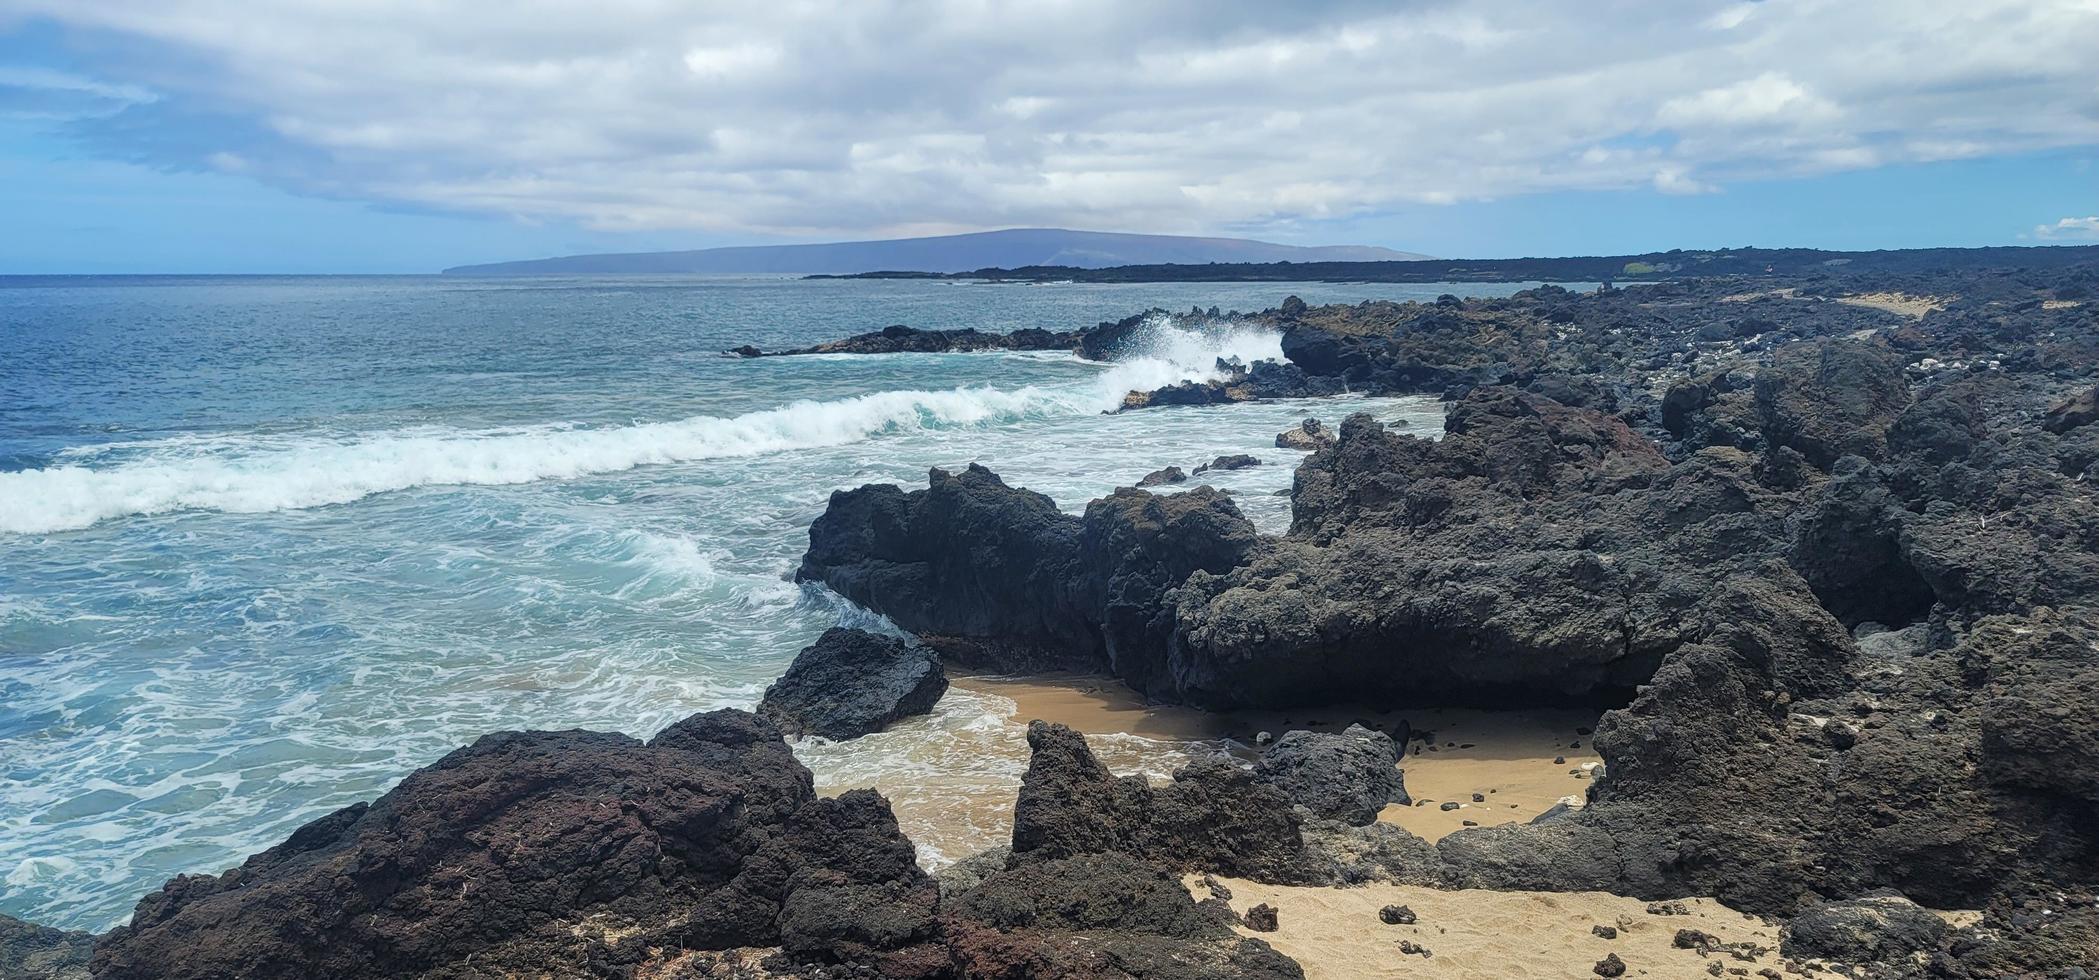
<point>997,576</point>
<point>1349,776</point>
<point>570,852</point>
<point>1100,915</point>
<point>702,852</point>
<point>1262,381</point>
<point>32,952</point>
<point>2074,412</point>
<point>1879,928</point>
<point>1215,816</point>
<point>851,683</point>
<point>900,339</point>
<point>1687,505</point>
<point>1163,477</point>
<point>1309,435</point>
<point>1235,461</point>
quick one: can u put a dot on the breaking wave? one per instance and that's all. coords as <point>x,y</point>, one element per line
<point>256,474</point>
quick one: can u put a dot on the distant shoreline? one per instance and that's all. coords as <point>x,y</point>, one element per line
<point>1642,267</point>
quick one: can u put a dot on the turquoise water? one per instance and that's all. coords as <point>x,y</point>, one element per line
<point>267,544</point>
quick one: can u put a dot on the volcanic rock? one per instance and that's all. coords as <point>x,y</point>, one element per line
<point>1171,474</point>
<point>1099,915</point>
<point>851,683</point>
<point>1238,461</point>
<point>33,952</point>
<point>2079,410</point>
<point>1349,776</point>
<point>1309,435</point>
<point>562,851</point>
<point>1880,928</point>
<point>900,339</point>
<point>1214,816</point>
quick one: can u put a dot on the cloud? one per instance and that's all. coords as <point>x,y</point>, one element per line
<point>797,118</point>
<point>28,92</point>
<point>2072,228</point>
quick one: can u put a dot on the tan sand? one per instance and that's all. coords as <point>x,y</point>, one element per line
<point>1096,706</point>
<point>1902,303</point>
<point>1786,293</point>
<point>951,776</point>
<point>1505,756</point>
<point>1335,933</point>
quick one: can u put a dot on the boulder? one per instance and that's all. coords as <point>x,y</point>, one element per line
<point>2070,413</point>
<point>1264,380</point>
<point>1237,461</point>
<point>1832,399</point>
<point>851,683</point>
<point>1105,915</point>
<point>1308,436</point>
<point>568,852</point>
<point>998,577</point>
<point>1882,928</point>
<point>1171,474</point>
<point>1349,776</point>
<point>1213,817</point>
<point>981,572</point>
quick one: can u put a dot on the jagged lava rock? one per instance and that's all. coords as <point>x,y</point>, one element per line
<point>553,851</point>
<point>997,576</point>
<point>2078,410</point>
<point>1879,928</point>
<point>1214,816</point>
<point>32,952</point>
<point>1349,776</point>
<point>1171,474</point>
<point>1236,461</point>
<point>851,683</point>
<point>1307,436</point>
<point>1105,915</point>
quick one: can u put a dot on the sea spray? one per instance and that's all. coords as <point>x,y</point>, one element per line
<point>280,473</point>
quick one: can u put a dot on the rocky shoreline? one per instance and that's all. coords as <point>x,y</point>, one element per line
<point>1826,571</point>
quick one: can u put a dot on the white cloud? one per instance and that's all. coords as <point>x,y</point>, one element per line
<point>1673,180</point>
<point>730,60</point>
<point>1768,98</point>
<point>806,118</point>
<point>2075,228</point>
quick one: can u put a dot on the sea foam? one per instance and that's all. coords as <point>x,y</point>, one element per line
<point>248,476</point>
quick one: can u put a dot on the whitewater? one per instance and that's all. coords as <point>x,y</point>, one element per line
<point>253,474</point>
<point>269,544</point>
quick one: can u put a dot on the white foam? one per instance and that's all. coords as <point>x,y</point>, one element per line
<point>257,474</point>
<point>679,559</point>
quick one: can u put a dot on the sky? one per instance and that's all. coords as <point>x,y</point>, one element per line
<point>409,135</point>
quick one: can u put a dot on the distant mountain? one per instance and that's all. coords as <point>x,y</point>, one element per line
<point>1011,248</point>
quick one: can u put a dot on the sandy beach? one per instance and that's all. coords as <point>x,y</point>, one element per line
<point>1522,762</point>
<point>951,776</point>
<point>1335,933</point>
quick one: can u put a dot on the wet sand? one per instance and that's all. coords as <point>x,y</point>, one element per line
<point>1505,756</point>
<point>951,776</point>
<point>1098,706</point>
<point>1335,933</point>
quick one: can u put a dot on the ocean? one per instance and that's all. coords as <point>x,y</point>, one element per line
<point>268,544</point>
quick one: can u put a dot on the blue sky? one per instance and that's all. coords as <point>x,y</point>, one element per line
<point>340,136</point>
